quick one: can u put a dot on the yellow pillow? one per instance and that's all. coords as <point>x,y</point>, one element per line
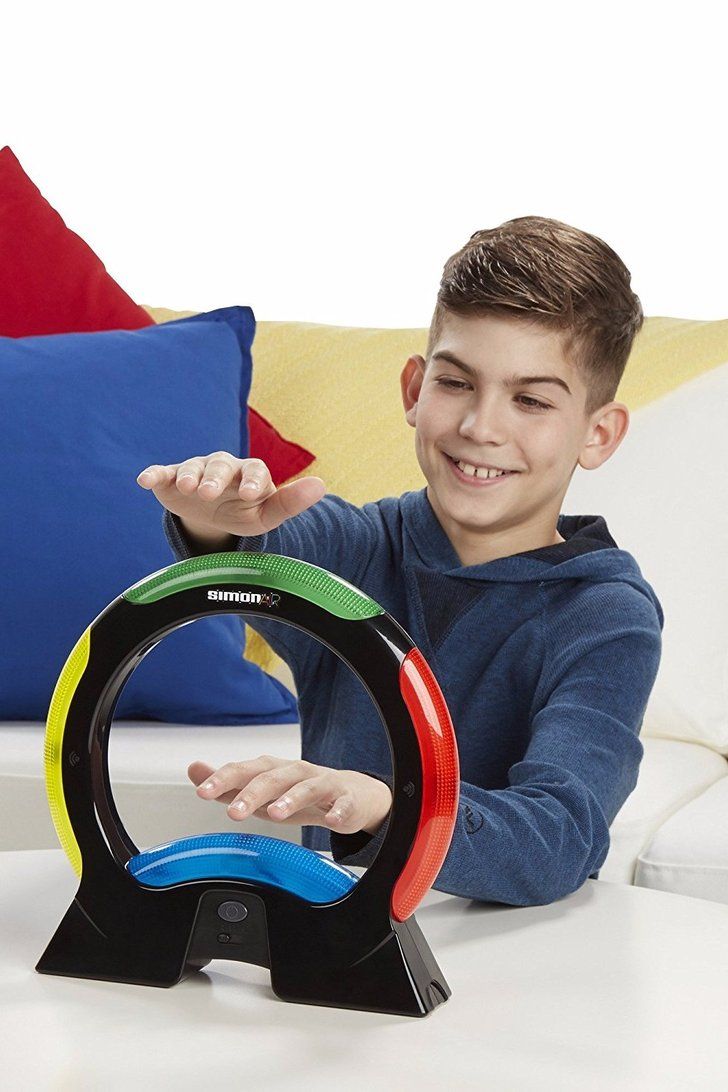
<point>335,390</point>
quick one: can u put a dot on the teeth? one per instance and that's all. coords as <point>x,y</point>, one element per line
<point>476,472</point>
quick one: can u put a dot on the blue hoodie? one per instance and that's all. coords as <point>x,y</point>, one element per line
<point>546,659</point>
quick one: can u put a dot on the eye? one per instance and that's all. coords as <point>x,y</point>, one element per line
<point>451,383</point>
<point>533,403</point>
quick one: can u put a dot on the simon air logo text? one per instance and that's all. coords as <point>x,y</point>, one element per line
<point>258,599</point>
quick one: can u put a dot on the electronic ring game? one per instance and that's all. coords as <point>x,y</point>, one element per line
<point>156,915</point>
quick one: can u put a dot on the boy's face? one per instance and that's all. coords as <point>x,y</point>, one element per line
<point>537,431</point>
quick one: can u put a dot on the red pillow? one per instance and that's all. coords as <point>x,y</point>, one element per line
<point>283,458</point>
<point>51,282</point>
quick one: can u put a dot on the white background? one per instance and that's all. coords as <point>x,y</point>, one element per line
<point>320,161</point>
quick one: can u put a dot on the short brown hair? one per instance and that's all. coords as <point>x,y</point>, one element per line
<point>543,271</point>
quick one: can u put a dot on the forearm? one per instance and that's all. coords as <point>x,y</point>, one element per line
<point>379,806</point>
<point>508,846</point>
<point>187,541</point>
<point>527,845</point>
<point>206,540</point>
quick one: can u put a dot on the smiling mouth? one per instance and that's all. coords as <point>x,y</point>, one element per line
<point>481,477</point>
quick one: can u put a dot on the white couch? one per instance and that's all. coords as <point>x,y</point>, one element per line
<point>664,499</point>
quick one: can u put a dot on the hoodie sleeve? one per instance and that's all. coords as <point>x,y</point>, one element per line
<point>541,838</point>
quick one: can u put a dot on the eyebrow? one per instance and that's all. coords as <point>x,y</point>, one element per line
<point>511,381</point>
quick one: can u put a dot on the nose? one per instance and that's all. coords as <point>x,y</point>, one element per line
<point>485,421</point>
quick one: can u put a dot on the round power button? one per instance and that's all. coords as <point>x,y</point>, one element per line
<point>232,911</point>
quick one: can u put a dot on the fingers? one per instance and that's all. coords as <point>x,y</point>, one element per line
<point>155,476</point>
<point>315,800</point>
<point>255,480</point>
<point>284,792</point>
<point>199,772</point>
<point>236,495</point>
<point>229,782</point>
<point>270,787</point>
<point>283,796</point>
<point>222,784</point>
<point>202,775</point>
<point>210,475</point>
<point>184,475</point>
<point>340,815</point>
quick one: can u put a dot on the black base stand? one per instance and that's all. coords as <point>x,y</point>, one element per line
<point>317,954</point>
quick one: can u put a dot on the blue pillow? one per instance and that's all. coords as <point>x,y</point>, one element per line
<point>82,415</point>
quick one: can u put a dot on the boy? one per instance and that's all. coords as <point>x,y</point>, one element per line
<point>542,633</point>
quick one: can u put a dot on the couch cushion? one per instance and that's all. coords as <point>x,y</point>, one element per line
<point>671,775</point>
<point>83,414</point>
<point>689,854</point>
<point>663,496</point>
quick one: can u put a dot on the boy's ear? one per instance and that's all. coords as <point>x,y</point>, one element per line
<point>410,382</point>
<point>607,429</point>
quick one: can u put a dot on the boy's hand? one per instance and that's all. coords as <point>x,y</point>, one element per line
<point>341,800</point>
<point>220,494</point>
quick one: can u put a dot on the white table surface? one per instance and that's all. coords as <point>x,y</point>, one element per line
<point>615,987</point>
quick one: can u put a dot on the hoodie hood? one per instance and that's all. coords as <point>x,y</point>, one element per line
<point>588,553</point>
